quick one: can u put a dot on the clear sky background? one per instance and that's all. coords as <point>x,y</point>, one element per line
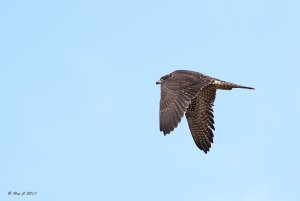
<point>79,105</point>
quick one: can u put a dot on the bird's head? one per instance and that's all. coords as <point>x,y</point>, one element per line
<point>163,78</point>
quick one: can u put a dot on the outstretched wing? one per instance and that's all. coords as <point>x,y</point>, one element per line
<point>176,95</point>
<point>200,118</point>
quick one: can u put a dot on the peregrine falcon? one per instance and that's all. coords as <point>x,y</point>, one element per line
<point>193,94</point>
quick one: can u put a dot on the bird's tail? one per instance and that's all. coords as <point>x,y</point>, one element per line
<point>228,85</point>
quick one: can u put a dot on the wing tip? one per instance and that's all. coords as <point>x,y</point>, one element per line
<point>166,131</point>
<point>205,150</point>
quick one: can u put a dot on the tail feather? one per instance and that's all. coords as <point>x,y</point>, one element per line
<point>228,85</point>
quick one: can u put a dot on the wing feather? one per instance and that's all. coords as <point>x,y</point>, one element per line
<point>201,120</point>
<point>176,95</point>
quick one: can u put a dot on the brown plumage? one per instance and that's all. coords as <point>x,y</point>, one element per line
<point>193,94</point>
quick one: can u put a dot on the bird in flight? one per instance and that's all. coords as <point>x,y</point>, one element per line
<point>193,94</point>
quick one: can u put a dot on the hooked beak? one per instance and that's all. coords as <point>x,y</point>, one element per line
<point>158,82</point>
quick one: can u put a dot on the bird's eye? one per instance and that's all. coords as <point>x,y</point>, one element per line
<point>165,77</point>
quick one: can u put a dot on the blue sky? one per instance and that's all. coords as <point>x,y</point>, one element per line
<point>79,104</point>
